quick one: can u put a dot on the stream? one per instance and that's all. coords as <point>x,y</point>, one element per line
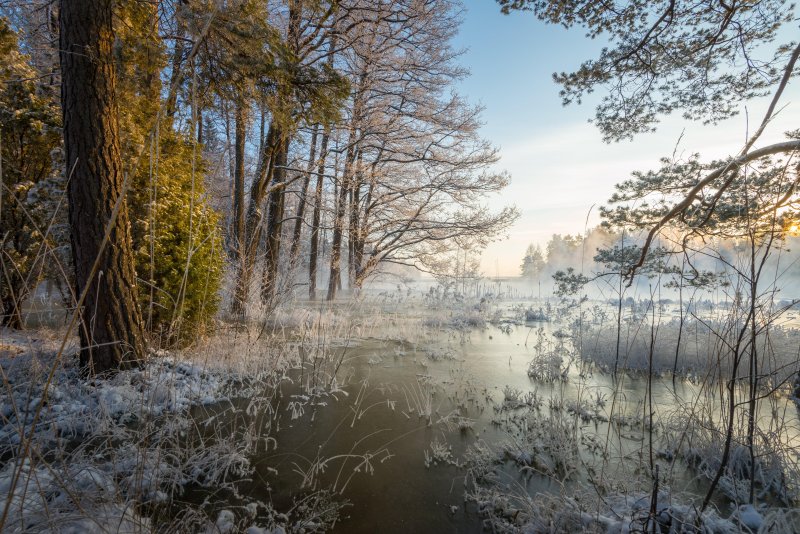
<point>393,437</point>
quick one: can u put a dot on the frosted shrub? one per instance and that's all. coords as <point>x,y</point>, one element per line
<point>700,351</point>
<point>700,445</point>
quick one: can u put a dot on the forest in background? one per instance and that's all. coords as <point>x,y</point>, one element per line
<point>178,170</point>
<point>262,146</point>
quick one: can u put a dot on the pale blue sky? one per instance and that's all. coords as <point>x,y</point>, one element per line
<point>558,163</point>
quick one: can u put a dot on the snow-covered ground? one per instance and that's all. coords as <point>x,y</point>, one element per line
<point>132,452</point>
<point>92,455</point>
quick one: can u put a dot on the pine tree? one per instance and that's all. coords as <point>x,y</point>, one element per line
<point>29,137</point>
<point>111,330</point>
<point>533,263</point>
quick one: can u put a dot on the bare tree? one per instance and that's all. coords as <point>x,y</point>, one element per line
<point>415,170</point>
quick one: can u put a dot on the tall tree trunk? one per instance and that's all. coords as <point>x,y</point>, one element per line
<point>301,203</point>
<point>316,219</point>
<point>338,223</point>
<point>350,233</point>
<point>243,280</point>
<point>277,198</point>
<point>335,280</point>
<point>275,208</point>
<point>229,143</point>
<point>262,134</point>
<point>199,126</point>
<point>353,228</point>
<point>111,330</point>
<point>361,269</point>
<point>254,217</point>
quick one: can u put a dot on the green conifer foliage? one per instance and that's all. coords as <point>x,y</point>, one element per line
<point>29,133</point>
<point>176,237</point>
<point>177,243</point>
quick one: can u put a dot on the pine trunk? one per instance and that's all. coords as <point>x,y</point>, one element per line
<point>275,205</point>
<point>111,330</point>
<point>277,195</point>
<point>243,280</point>
<point>255,215</point>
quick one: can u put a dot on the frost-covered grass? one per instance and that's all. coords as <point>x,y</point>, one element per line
<point>703,346</point>
<point>551,358</point>
<point>124,453</point>
<point>167,447</point>
<point>697,440</point>
<point>464,319</point>
<point>582,510</point>
<point>170,446</point>
<point>578,459</point>
<point>99,449</point>
<point>544,477</point>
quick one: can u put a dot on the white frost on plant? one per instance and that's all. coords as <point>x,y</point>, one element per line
<point>66,485</point>
<point>42,502</point>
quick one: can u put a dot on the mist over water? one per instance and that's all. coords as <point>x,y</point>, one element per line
<point>460,409</point>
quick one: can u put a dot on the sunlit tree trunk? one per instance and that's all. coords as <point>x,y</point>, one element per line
<point>243,280</point>
<point>110,329</point>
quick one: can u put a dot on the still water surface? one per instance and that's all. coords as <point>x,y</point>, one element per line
<point>369,441</point>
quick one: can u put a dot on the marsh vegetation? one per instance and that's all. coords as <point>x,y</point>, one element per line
<point>241,288</point>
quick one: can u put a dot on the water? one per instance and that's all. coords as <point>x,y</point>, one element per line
<point>403,396</point>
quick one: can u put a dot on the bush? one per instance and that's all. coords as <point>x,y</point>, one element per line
<point>177,244</point>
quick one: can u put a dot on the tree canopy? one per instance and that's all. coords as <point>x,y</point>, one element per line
<point>705,60</point>
<point>701,59</point>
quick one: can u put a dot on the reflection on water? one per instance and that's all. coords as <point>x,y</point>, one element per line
<point>394,436</point>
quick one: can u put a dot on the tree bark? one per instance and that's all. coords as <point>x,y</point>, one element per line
<point>316,219</point>
<point>335,280</point>
<point>338,224</point>
<point>254,218</point>
<point>277,198</point>
<point>362,270</point>
<point>275,208</point>
<point>353,232</point>
<point>111,329</point>
<point>301,204</point>
<point>243,281</point>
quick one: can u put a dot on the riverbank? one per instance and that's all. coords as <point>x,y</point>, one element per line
<point>341,418</point>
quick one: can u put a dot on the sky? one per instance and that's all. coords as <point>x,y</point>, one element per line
<point>560,167</point>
